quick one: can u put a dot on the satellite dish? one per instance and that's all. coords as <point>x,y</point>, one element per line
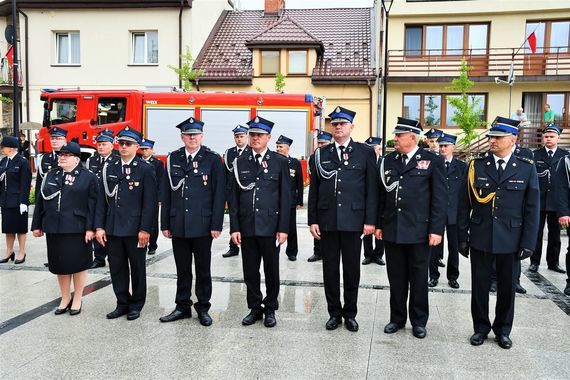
<point>9,34</point>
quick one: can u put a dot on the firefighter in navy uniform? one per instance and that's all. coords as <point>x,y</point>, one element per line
<point>192,216</point>
<point>296,183</point>
<point>323,139</point>
<point>57,138</point>
<point>123,221</point>
<point>432,136</point>
<point>455,170</point>
<point>546,160</point>
<point>498,221</point>
<point>374,254</point>
<point>562,179</point>
<point>147,151</point>
<point>240,138</point>
<point>260,205</point>
<point>105,153</point>
<point>343,200</point>
<point>411,221</point>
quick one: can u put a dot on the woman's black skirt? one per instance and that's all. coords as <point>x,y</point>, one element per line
<point>68,253</point>
<point>13,222</point>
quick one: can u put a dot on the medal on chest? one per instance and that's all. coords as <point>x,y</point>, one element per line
<point>345,158</point>
<point>424,164</point>
<point>205,178</point>
<point>69,179</point>
<point>128,172</point>
<point>264,164</point>
<point>131,185</point>
<point>292,172</point>
<point>195,166</point>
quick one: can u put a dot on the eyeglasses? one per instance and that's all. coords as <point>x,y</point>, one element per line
<point>125,143</point>
<point>65,155</point>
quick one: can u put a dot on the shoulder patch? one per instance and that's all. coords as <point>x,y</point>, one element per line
<point>525,159</point>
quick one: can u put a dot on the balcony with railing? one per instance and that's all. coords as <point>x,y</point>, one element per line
<point>439,65</point>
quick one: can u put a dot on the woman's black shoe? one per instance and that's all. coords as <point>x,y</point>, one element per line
<point>75,311</point>
<point>6,259</point>
<point>59,311</point>
<point>20,261</point>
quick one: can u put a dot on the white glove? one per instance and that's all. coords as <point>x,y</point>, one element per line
<point>23,208</point>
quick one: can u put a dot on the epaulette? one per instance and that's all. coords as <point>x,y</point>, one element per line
<point>525,159</point>
<point>431,152</point>
<point>480,156</point>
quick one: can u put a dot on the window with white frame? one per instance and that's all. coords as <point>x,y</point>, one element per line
<point>67,48</point>
<point>145,47</point>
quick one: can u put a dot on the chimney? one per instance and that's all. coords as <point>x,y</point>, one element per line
<point>274,7</point>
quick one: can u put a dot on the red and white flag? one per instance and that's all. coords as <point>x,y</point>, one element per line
<point>532,42</point>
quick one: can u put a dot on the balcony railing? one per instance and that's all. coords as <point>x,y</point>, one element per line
<point>6,73</point>
<point>484,63</point>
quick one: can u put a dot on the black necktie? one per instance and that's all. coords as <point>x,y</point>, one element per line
<point>500,168</point>
<point>341,148</point>
<point>189,158</point>
<point>404,159</point>
<point>550,153</point>
<point>257,157</point>
<point>447,166</point>
<point>239,152</point>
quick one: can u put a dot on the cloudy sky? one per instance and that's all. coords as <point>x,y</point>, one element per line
<point>297,4</point>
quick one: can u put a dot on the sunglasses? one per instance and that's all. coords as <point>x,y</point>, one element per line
<point>125,143</point>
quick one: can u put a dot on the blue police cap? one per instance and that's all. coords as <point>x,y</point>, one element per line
<point>260,125</point>
<point>129,134</point>
<point>239,129</point>
<point>447,139</point>
<point>341,115</point>
<point>146,143</point>
<point>71,147</point>
<point>105,135</point>
<point>10,142</point>
<point>57,131</point>
<point>433,133</point>
<point>324,137</point>
<point>408,125</point>
<point>552,128</point>
<point>374,141</point>
<point>502,126</point>
<point>191,126</point>
<point>284,140</point>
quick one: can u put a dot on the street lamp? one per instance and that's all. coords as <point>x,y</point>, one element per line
<point>15,79</point>
<point>385,71</point>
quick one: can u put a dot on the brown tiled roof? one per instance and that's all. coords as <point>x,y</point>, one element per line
<point>345,35</point>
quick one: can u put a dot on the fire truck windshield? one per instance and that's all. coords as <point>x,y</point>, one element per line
<point>62,111</point>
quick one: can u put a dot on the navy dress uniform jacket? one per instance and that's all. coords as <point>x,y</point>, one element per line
<point>265,209</point>
<point>95,163</point>
<point>508,222</point>
<point>296,181</point>
<point>230,155</point>
<point>48,161</point>
<point>131,208</point>
<point>158,167</point>
<point>563,187</point>
<point>196,207</point>
<point>416,207</point>
<point>546,169</point>
<point>348,200</point>
<point>71,208</point>
<point>456,181</point>
<point>15,181</point>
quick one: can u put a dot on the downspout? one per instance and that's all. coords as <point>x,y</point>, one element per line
<point>370,106</point>
<point>180,41</point>
<point>27,69</point>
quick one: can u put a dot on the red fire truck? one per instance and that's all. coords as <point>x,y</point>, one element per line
<point>84,113</point>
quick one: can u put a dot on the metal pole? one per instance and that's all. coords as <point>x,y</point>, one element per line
<point>15,96</point>
<point>384,81</point>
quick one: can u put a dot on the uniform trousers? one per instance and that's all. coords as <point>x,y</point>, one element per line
<point>316,247</point>
<point>506,270</point>
<point>100,252</point>
<point>407,267</point>
<point>334,245</point>
<point>201,249</point>
<point>373,252</point>
<point>568,260</point>
<point>152,246</point>
<point>553,245</point>
<point>452,255</point>
<point>124,254</point>
<point>292,245</point>
<point>253,250</point>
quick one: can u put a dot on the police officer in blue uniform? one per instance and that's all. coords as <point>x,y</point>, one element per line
<point>123,220</point>
<point>104,153</point>
<point>343,200</point>
<point>546,160</point>
<point>374,254</point>
<point>411,219</point>
<point>15,180</point>
<point>323,138</point>
<point>260,203</point>
<point>498,221</point>
<point>296,182</point>
<point>147,151</point>
<point>241,147</point>
<point>455,171</point>
<point>563,195</point>
<point>192,215</point>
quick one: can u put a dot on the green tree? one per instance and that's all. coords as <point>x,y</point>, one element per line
<point>279,82</point>
<point>467,114</point>
<point>430,108</point>
<point>185,72</point>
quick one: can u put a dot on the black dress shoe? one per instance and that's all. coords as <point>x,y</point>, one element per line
<point>440,263</point>
<point>333,323</point>
<point>314,258</point>
<point>117,313</point>
<point>75,311</point>
<point>366,261</point>
<point>392,327</point>
<point>231,252</point>
<point>46,265</point>
<point>504,341</point>
<point>419,332</point>
<point>454,284</point>
<point>6,259</point>
<point>477,339</point>
<point>292,258</point>
<point>379,261</point>
<point>567,290</point>
<point>97,264</point>
<point>533,268</point>
<point>432,282</point>
<point>59,311</point>
<point>253,316</point>
<point>176,315</point>
<point>151,252</point>
<point>555,268</point>
<point>23,260</point>
<point>205,319</point>
<point>270,320</point>
<point>351,324</point>
<point>133,314</point>
<point>519,289</point>
<point>493,287</point>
